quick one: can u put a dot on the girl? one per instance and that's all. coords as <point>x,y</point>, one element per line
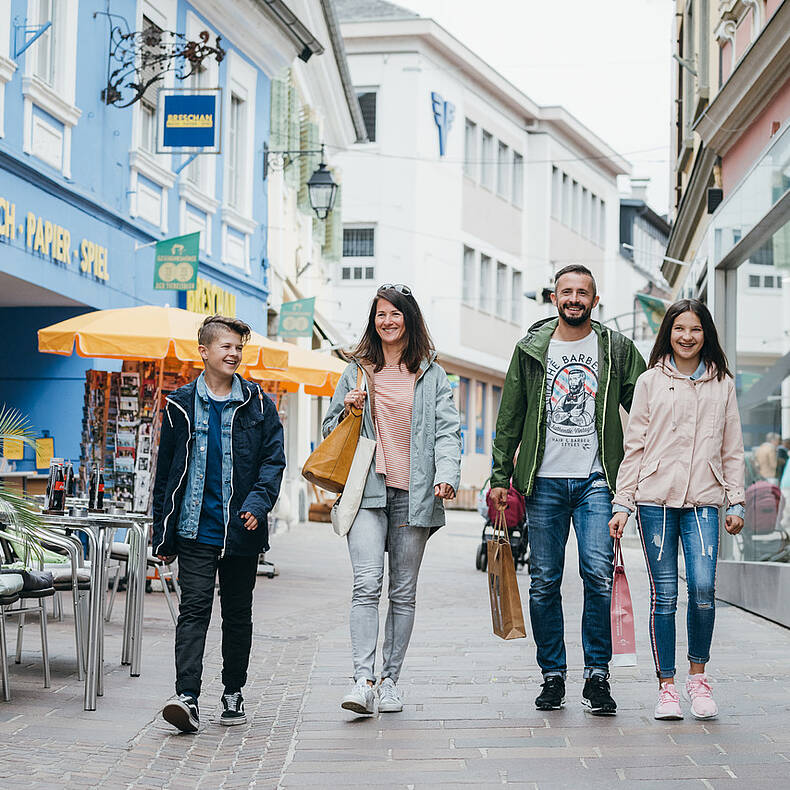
<point>412,416</point>
<point>683,460</point>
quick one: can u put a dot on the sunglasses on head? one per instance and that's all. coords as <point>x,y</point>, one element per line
<point>399,287</point>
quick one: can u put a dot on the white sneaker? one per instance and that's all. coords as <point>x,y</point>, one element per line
<point>361,699</point>
<point>668,705</point>
<point>389,698</point>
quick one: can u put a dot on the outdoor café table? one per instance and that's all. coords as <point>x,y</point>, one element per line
<point>99,527</point>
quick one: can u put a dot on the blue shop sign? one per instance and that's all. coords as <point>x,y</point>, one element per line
<point>190,120</point>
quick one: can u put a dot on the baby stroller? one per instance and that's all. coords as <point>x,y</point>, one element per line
<point>517,529</point>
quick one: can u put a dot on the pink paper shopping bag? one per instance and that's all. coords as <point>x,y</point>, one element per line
<point>622,615</point>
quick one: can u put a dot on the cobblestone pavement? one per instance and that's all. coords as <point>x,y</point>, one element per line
<point>468,722</point>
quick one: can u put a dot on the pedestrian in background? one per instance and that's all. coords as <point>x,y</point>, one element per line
<point>411,414</point>
<point>561,403</point>
<point>218,474</point>
<point>766,458</point>
<point>683,460</point>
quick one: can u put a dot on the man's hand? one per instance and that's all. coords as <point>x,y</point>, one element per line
<point>617,524</point>
<point>444,491</point>
<point>733,524</point>
<point>166,558</point>
<point>499,497</point>
<point>250,522</point>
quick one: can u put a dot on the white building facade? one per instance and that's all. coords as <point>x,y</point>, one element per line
<point>469,193</point>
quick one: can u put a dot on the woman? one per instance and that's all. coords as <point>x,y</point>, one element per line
<point>411,415</point>
<point>683,460</point>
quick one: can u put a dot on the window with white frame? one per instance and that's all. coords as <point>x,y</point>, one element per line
<point>367,104</point>
<point>518,180</point>
<point>234,155</point>
<point>468,277</point>
<point>45,55</point>
<point>484,290</point>
<point>586,213</point>
<point>151,38</point>
<point>576,208</point>
<point>517,297</point>
<point>359,250</point>
<point>503,170</point>
<point>487,160</point>
<point>470,148</point>
<point>602,225</point>
<point>501,290</point>
<point>556,193</point>
<point>595,213</point>
<point>567,199</point>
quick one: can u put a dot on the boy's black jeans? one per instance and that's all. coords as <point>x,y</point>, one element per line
<point>198,564</point>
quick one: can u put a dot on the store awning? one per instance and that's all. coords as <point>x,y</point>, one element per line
<point>148,332</point>
<point>317,371</point>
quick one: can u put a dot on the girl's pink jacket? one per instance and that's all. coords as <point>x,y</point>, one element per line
<point>683,443</point>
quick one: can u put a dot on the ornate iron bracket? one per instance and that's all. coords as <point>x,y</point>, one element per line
<point>138,59</point>
<point>279,160</point>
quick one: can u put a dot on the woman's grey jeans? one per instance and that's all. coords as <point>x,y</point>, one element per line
<point>376,532</point>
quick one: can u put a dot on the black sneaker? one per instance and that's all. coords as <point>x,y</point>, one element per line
<point>552,696</point>
<point>232,709</point>
<point>182,712</point>
<point>597,697</point>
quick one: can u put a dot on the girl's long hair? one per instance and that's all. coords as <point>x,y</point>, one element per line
<point>712,353</point>
<point>419,344</point>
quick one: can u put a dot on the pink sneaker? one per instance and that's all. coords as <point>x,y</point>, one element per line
<point>699,694</point>
<point>668,705</point>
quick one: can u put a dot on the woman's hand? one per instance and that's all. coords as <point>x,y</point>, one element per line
<point>444,491</point>
<point>733,524</point>
<point>355,398</point>
<point>617,524</point>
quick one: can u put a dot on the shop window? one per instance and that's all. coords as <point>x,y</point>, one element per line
<point>367,104</point>
<point>487,160</point>
<point>480,417</point>
<point>518,180</point>
<point>503,174</point>
<point>462,402</point>
<point>470,148</point>
<point>468,277</point>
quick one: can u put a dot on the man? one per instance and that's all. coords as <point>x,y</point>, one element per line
<point>219,469</point>
<point>560,403</point>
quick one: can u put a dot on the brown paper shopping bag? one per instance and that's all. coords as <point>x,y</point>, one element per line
<point>506,614</point>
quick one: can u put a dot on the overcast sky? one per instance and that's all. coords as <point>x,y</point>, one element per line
<point>606,61</point>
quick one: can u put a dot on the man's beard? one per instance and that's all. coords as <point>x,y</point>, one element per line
<point>575,320</point>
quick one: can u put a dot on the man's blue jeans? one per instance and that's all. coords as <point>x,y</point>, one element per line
<point>698,530</point>
<point>551,506</point>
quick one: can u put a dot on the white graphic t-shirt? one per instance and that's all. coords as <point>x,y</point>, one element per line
<point>571,387</point>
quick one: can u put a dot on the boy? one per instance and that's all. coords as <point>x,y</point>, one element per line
<point>218,474</point>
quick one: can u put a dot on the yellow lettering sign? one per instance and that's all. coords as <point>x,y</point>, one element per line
<point>210,299</point>
<point>7,219</point>
<point>189,121</point>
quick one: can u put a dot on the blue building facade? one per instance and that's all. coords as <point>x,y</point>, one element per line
<point>84,195</point>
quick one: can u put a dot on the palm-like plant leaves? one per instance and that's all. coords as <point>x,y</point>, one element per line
<point>16,512</point>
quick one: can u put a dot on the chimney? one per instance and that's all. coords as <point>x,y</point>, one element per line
<point>639,188</point>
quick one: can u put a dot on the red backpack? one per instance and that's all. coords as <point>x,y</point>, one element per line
<point>763,506</point>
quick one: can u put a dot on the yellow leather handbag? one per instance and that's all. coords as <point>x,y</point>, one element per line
<point>329,464</point>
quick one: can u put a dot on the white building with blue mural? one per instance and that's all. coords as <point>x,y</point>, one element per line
<point>86,191</point>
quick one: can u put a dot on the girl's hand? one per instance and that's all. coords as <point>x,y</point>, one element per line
<point>355,398</point>
<point>733,524</point>
<point>444,491</point>
<point>617,524</point>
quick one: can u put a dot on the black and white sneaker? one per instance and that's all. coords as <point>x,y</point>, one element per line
<point>597,696</point>
<point>232,709</point>
<point>182,712</point>
<point>552,696</point>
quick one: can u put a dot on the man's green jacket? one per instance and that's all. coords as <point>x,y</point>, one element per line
<point>522,413</point>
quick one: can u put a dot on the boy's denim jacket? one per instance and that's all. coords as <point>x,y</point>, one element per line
<point>193,498</point>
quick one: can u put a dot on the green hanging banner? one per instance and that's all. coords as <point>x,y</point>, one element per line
<point>296,318</point>
<point>176,263</point>
<point>654,309</point>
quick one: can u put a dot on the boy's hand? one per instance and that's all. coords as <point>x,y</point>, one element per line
<point>166,558</point>
<point>250,522</point>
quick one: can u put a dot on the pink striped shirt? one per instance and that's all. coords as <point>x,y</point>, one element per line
<point>394,395</point>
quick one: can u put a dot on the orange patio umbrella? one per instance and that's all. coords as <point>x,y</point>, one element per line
<point>318,371</point>
<point>148,332</point>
